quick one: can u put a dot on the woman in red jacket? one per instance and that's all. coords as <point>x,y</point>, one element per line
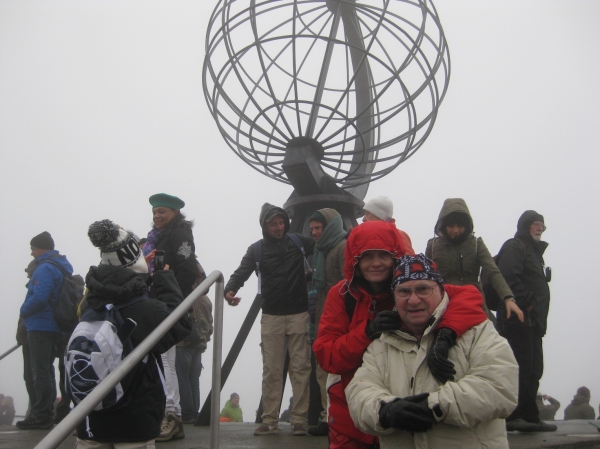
<point>359,308</point>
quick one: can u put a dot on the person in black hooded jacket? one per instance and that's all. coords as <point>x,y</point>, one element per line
<point>285,320</point>
<point>121,276</point>
<point>521,262</point>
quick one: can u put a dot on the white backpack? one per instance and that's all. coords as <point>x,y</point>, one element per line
<point>97,346</point>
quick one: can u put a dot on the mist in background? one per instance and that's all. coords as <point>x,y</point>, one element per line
<point>101,106</point>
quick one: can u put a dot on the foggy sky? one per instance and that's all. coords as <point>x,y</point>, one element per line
<point>101,106</point>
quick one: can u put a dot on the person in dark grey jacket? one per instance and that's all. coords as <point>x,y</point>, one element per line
<point>285,320</point>
<point>521,263</point>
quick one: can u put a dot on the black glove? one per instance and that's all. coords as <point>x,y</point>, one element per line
<point>410,413</point>
<point>383,321</point>
<point>437,355</point>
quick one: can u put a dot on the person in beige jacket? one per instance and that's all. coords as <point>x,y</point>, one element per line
<point>395,396</point>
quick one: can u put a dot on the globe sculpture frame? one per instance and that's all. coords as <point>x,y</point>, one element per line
<point>325,95</point>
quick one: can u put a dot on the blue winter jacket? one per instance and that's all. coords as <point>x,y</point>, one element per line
<point>42,290</point>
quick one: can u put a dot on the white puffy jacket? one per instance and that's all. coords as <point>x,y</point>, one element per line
<point>474,405</point>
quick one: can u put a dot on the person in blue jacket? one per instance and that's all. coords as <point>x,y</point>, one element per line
<point>43,333</point>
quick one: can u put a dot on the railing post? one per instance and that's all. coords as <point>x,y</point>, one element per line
<point>216,368</point>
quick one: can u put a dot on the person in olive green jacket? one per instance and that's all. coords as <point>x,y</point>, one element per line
<point>460,255</point>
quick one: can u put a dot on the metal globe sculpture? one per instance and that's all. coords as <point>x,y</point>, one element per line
<point>357,82</point>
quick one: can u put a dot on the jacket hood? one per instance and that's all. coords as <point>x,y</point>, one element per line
<point>523,225</point>
<point>329,214</point>
<point>526,218</point>
<point>453,206</point>
<point>57,258</point>
<point>368,236</point>
<point>267,212</point>
<point>580,399</point>
<point>110,284</point>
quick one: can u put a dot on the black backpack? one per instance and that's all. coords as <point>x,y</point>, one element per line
<point>492,300</point>
<point>69,296</point>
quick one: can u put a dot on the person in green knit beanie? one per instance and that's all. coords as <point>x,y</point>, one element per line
<point>232,412</point>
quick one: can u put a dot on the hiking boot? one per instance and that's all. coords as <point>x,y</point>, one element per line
<point>322,430</point>
<point>521,425</point>
<point>545,427</point>
<point>171,428</point>
<point>266,429</point>
<point>298,430</point>
<point>30,423</point>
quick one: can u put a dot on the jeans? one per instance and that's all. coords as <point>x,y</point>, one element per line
<point>41,355</point>
<point>188,365</point>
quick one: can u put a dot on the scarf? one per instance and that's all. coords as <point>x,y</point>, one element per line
<point>150,245</point>
<point>332,235</point>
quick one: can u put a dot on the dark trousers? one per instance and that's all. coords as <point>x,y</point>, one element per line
<point>64,406</point>
<point>28,377</point>
<point>526,343</point>
<point>41,356</point>
<point>188,364</point>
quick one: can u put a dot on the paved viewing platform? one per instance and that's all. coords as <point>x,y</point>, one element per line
<point>570,435</point>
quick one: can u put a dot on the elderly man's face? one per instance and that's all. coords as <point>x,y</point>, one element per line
<point>536,229</point>
<point>415,302</point>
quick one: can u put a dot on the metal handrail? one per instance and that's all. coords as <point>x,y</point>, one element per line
<point>10,351</point>
<point>85,407</point>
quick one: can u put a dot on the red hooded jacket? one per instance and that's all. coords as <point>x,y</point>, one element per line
<point>342,341</point>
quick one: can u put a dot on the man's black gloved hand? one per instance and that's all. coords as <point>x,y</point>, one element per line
<point>407,414</point>
<point>383,321</point>
<point>437,355</point>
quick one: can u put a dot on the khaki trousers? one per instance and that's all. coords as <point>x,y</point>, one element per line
<point>89,444</point>
<point>277,332</point>
<point>322,381</point>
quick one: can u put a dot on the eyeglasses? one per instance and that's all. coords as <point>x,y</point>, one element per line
<point>422,291</point>
<point>539,224</point>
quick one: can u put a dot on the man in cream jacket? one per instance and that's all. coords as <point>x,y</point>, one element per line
<point>395,396</point>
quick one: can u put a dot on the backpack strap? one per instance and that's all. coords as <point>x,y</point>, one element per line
<point>57,265</point>
<point>294,238</point>
<point>257,253</point>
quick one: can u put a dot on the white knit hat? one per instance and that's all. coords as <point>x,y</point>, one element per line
<point>117,246</point>
<point>380,206</point>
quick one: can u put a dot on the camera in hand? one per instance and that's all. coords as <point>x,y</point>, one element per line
<point>159,260</point>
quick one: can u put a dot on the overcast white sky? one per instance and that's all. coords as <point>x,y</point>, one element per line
<point>101,106</point>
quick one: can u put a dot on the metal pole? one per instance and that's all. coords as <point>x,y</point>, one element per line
<point>216,368</point>
<point>10,351</point>
<point>85,407</point>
